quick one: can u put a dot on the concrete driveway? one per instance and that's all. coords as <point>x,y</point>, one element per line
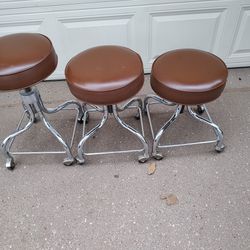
<point>111,202</point>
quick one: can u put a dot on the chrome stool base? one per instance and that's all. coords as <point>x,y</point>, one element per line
<point>113,110</point>
<point>153,99</point>
<point>35,111</point>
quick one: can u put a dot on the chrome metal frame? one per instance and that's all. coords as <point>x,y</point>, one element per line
<point>113,110</point>
<point>35,111</point>
<point>153,99</point>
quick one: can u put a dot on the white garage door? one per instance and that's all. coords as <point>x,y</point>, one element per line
<point>150,27</point>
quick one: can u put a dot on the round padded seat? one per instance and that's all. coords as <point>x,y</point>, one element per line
<point>105,75</point>
<point>25,59</point>
<point>188,76</point>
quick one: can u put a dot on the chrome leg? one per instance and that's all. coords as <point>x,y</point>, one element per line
<point>157,100</point>
<point>85,114</point>
<point>34,108</point>
<point>59,107</point>
<point>219,134</point>
<point>81,153</point>
<point>135,100</point>
<point>10,164</point>
<point>145,156</point>
<point>128,104</point>
<point>70,159</point>
<point>113,109</point>
<point>200,109</point>
<point>155,153</point>
<point>38,107</point>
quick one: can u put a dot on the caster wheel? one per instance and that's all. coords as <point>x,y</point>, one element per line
<point>219,149</point>
<point>80,161</point>
<point>80,119</point>
<point>68,161</point>
<point>200,110</point>
<point>137,116</point>
<point>36,119</point>
<point>10,164</point>
<point>87,119</point>
<point>142,159</point>
<point>158,156</point>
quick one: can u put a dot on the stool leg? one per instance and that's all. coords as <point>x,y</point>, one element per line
<point>35,109</point>
<point>157,99</point>
<point>145,156</point>
<point>136,100</point>
<point>70,159</point>
<point>59,107</point>
<point>85,114</point>
<point>10,164</point>
<point>132,101</point>
<point>155,153</point>
<point>35,102</point>
<point>218,132</point>
<point>81,157</point>
<point>153,99</point>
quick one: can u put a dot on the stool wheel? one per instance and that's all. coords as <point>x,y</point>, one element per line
<point>10,164</point>
<point>142,159</point>
<point>137,116</point>
<point>68,161</point>
<point>80,119</point>
<point>80,161</point>
<point>36,120</point>
<point>219,149</point>
<point>200,110</point>
<point>158,156</point>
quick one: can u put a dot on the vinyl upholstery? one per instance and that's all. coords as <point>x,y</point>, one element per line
<point>25,59</point>
<point>105,75</point>
<point>188,76</point>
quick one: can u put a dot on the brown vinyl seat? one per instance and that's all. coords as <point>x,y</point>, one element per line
<point>105,75</point>
<point>188,76</point>
<point>25,59</point>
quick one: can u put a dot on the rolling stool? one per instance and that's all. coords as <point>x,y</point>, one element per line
<point>102,77</point>
<point>25,60</point>
<point>186,77</point>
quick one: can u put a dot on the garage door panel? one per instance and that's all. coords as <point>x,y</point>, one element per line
<point>150,27</point>
<point>93,31</point>
<point>185,29</point>
<point>15,27</point>
<point>83,33</point>
<point>241,44</point>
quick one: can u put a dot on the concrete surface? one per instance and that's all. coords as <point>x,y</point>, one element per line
<point>111,202</point>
